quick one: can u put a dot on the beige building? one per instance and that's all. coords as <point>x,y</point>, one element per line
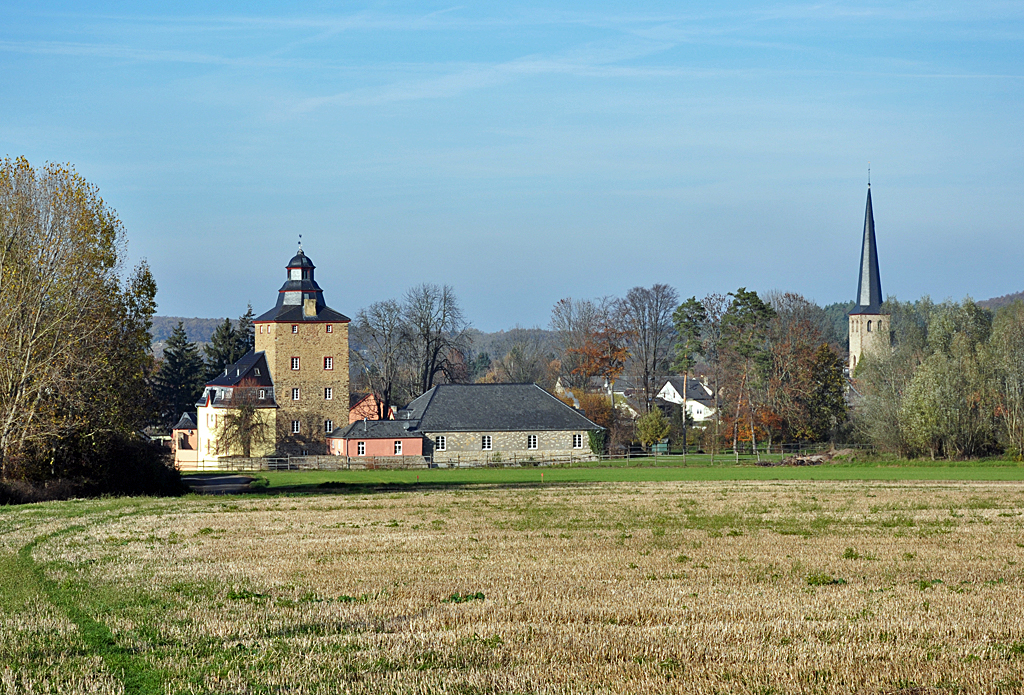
<point>306,347</point>
<point>869,327</point>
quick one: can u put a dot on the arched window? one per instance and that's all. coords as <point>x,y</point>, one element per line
<point>869,326</point>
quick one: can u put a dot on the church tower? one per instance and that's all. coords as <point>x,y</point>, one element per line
<point>306,346</point>
<point>869,327</point>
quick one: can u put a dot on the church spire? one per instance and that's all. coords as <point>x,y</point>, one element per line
<point>869,287</point>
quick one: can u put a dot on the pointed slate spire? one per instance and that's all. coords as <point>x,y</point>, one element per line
<point>869,287</point>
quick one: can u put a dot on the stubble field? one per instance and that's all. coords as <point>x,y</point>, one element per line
<point>696,587</point>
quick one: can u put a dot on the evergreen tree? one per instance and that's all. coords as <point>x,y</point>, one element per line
<point>223,349</point>
<point>827,403</point>
<point>245,333</point>
<point>180,379</point>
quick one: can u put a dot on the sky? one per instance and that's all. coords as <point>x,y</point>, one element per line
<point>526,152</point>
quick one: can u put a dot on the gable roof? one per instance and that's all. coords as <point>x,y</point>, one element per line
<point>375,429</point>
<point>492,408</point>
<point>188,421</point>
<point>695,391</point>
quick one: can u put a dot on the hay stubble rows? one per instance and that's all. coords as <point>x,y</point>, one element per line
<point>648,587</point>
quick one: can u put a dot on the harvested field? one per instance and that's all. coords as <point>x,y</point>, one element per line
<point>713,587</point>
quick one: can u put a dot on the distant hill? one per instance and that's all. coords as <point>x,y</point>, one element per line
<point>199,331</point>
<point>999,302</point>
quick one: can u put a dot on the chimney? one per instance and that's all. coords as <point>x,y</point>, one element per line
<point>309,308</point>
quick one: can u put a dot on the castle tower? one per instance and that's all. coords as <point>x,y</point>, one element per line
<point>306,346</point>
<point>869,327</point>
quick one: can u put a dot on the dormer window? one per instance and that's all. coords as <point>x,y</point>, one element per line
<point>256,371</point>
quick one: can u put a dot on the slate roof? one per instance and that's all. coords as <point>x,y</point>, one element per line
<point>245,369</point>
<point>869,285</point>
<point>492,408</point>
<point>695,390</point>
<point>300,260</point>
<point>188,421</point>
<point>293,314</point>
<point>374,429</point>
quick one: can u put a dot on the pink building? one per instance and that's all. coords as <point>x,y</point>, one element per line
<point>375,438</point>
<point>185,442</point>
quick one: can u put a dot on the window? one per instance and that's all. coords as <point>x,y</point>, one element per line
<point>869,326</point>
<point>330,328</point>
<point>361,449</point>
<point>577,441</point>
<point>305,274</point>
<point>485,442</point>
<point>295,394</point>
<point>440,443</point>
<point>295,364</point>
<point>295,328</point>
<point>295,426</point>
<point>295,274</point>
<point>328,426</point>
<point>256,371</point>
<point>531,441</point>
<point>328,363</point>
<point>261,328</point>
<point>263,394</point>
<point>328,393</point>
<point>398,447</point>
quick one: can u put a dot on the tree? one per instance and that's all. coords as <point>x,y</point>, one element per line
<point>688,319</point>
<point>827,402</point>
<point>223,349</point>
<point>74,330</point>
<point>1007,344</point>
<point>524,360</point>
<point>744,327</point>
<point>575,322</point>
<point>646,316</point>
<point>384,338</point>
<point>245,334</point>
<point>436,328</point>
<point>179,382</point>
<point>651,427</point>
<point>243,425</point>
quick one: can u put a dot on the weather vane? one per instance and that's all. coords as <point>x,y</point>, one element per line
<point>300,238</point>
<point>869,184</point>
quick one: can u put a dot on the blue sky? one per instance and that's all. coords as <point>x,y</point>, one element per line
<point>525,152</point>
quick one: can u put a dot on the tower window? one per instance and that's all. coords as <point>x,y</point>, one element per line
<point>263,394</point>
<point>295,273</point>
<point>305,274</point>
<point>869,326</point>
<point>295,394</point>
<point>295,426</point>
<point>328,363</point>
<point>295,364</point>
<point>328,426</point>
<point>295,328</point>
<point>261,328</point>
<point>330,328</point>
<point>328,393</point>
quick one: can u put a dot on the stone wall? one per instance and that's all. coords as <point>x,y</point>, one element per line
<point>311,344</point>
<point>863,341</point>
<point>509,447</point>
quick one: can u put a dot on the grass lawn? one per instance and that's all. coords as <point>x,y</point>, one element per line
<point>668,468</point>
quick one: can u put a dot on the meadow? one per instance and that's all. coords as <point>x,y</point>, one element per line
<point>756,586</point>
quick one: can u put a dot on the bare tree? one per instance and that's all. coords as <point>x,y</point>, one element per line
<point>384,337</point>
<point>436,327</point>
<point>243,425</point>
<point>646,314</point>
<point>575,322</point>
<point>523,360</point>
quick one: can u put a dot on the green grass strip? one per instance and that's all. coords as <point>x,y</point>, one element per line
<point>130,668</point>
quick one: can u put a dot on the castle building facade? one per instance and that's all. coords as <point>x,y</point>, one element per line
<point>869,327</point>
<point>305,344</point>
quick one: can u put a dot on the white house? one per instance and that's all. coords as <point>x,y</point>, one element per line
<point>700,401</point>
